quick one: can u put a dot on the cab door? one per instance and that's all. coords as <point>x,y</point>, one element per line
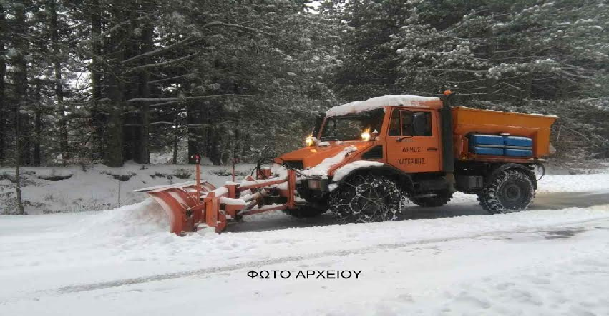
<point>413,140</point>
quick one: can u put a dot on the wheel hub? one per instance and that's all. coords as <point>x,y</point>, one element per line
<point>369,202</point>
<point>512,193</point>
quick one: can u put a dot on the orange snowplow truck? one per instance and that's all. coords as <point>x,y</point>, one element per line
<point>365,159</point>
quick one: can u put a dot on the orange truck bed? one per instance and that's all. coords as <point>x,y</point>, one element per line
<point>474,121</point>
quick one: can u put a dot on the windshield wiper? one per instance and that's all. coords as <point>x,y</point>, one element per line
<point>323,139</point>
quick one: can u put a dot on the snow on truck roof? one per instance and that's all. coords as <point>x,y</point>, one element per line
<point>396,100</point>
<point>378,102</point>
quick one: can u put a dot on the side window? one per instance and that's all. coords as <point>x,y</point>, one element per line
<point>421,125</point>
<point>394,124</point>
<point>406,117</point>
<point>407,123</point>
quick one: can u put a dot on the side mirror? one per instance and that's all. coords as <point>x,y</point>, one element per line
<point>319,119</point>
<point>374,134</point>
<point>419,124</point>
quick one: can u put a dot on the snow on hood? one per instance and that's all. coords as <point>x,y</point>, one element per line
<point>378,102</point>
<point>322,168</point>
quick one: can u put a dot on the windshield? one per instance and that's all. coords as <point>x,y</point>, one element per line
<point>350,127</point>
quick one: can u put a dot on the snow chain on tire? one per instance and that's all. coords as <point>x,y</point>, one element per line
<point>367,198</point>
<point>508,191</point>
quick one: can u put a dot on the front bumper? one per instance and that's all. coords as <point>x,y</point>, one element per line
<point>313,190</point>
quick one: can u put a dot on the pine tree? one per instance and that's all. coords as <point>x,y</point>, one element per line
<point>3,98</point>
<point>20,82</point>
<point>57,54</point>
<point>369,66</point>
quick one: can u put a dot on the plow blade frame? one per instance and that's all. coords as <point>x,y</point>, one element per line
<point>192,205</point>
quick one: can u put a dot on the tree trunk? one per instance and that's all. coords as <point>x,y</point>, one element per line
<point>114,150</point>
<point>63,124</point>
<point>38,135</point>
<point>491,82</point>
<point>193,121</point>
<point>97,117</point>
<point>20,209</point>
<point>3,100</point>
<point>131,119</point>
<point>37,124</point>
<point>175,146</point>
<point>19,64</point>
<point>20,80</point>
<point>116,90</point>
<point>144,78</point>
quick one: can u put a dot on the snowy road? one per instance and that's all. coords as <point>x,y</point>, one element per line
<point>551,260</point>
<point>466,205</point>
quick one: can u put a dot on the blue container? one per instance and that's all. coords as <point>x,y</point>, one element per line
<point>518,152</point>
<point>518,141</point>
<point>493,151</point>
<point>494,140</point>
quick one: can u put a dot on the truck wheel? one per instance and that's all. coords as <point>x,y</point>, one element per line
<point>366,198</point>
<point>508,191</point>
<point>440,199</point>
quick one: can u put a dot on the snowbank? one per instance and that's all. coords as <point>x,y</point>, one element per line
<point>140,219</point>
<point>574,183</point>
<point>97,188</point>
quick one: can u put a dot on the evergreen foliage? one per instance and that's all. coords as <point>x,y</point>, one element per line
<point>110,81</point>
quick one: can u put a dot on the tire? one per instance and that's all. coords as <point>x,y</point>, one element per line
<point>366,198</point>
<point>305,212</point>
<point>441,198</point>
<point>507,192</point>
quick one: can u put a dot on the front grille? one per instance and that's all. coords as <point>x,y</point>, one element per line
<point>294,164</point>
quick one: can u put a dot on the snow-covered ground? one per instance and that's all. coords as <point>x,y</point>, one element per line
<point>123,262</point>
<point>98,187</point>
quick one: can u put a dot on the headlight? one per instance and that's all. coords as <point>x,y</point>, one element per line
<point>314,184</point>
<point>309,141</point>
<point>366,135</point>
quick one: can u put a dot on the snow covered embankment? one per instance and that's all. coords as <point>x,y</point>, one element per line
<point>574,183</point>
<point>74,189</point>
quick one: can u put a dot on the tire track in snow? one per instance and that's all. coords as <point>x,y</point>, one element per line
<point>324,254</point>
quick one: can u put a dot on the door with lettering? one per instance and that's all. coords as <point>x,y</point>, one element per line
<point>413,140</point>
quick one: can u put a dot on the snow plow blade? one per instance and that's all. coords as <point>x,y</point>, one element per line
<point>178,202</point>
<point>191,206</point>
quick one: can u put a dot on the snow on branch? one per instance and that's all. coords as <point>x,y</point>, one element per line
<point>163,123</point>
<point>237,26</point>
<point>191,40</point>
<point>169,79</point>
<point>188,40</point>
<point>178,99</point>
<point>162,64</point>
